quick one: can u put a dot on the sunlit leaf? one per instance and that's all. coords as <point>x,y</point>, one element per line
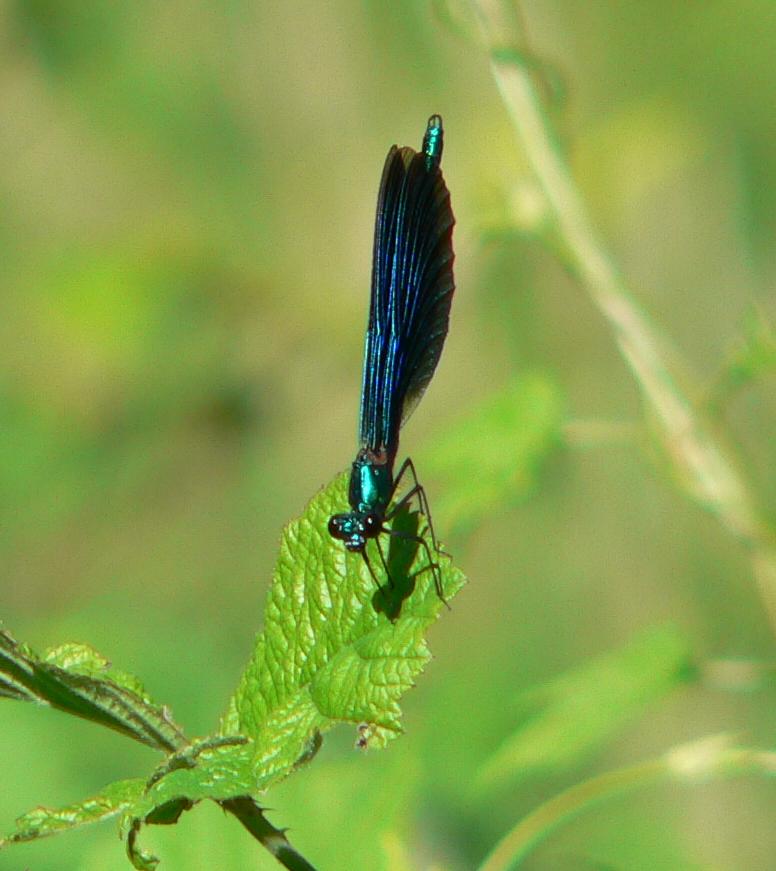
<point>335,648</point>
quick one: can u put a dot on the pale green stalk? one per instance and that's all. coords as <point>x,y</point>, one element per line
<point>709,758</point>
<point>707,471</point>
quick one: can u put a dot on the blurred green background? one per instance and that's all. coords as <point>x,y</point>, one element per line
<point>187,193</point>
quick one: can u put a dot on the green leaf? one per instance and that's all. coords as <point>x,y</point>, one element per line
<point>221,769</point>
<point>215,768</point>
<point>334,647</point>
<point>752,357</point>
<point>76,679</point>
<point>493,456</point>
<point>83,659</point>
<point>580,710</point>
<point>43,821</point>
<point>140,859</point>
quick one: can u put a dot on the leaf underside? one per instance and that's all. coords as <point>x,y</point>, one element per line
<point>76,679</point>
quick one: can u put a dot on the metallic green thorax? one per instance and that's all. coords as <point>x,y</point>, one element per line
<point>371,484</point>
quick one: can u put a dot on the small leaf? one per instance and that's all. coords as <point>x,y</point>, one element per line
<point>752,358</point>
<point>218,772</point>
<point>43,821</point>
<point>581,709</point>
<point>221,769</point>
<point>493,456</point>
<point>76,679</point>
<point>755,355</point>
<point>140,859</point>
<point>84,659</point>
<point>329,651</point>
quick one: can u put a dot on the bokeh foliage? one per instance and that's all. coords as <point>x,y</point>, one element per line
<point>186,194</point>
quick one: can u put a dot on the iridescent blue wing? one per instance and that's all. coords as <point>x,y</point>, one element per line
<point>412,288</point>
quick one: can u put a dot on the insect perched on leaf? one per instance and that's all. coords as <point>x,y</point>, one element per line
<point>412,288</point>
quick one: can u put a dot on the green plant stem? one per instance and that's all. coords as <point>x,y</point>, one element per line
<point>708,473</point>
<point>252,818</point>
<point>701,760</point>
<point>519,842</point>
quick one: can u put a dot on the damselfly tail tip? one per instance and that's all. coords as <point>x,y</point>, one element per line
<point>433,141</point>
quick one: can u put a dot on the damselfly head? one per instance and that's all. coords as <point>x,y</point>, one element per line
<point>354,528</point>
